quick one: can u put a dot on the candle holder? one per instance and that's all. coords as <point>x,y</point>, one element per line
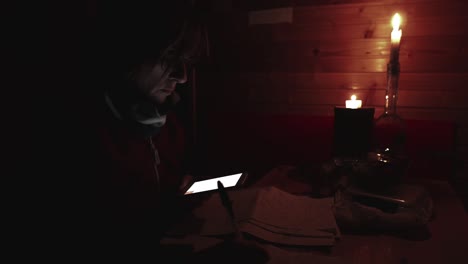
<point>390,128</point>
<point>384,168</point>
<point>352,132</point>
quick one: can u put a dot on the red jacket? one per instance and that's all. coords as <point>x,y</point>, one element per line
<point>127,191</point>
<point>132,179</point>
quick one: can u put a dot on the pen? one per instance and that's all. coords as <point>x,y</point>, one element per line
<point>227,203</point>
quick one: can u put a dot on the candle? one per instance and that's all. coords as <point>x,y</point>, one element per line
<point>352,131</point>
<point>395,38</point>
<point>353,103</point>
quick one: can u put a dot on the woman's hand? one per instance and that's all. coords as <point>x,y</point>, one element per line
<point>193,200</point>
<point>186,180</point>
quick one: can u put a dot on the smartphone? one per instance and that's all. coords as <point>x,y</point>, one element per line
<point>211,184</point>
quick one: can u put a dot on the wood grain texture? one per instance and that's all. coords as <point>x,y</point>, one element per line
<point>264,62</point>
<point>371,11</point>
<point>449,82</point>
<point>335,48</point>
<point>427,54</point>
<point>377,28</point>
<point>428,45</point>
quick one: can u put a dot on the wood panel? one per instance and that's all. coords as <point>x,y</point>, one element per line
<point>430,99</point>
<point>451,26</point>
<point>408,113</point>
<point>428,54</point>
<point>450,82</point>
<point>266,4</point>
<point>410,46</point>
<point>405,112</point>
<point>452,115</point>
<point>417,90</point>
<point>355,81</point>
<point>265,62</point>
<point>338,3</point>
<point>335,48</point>
<point>372,11</point>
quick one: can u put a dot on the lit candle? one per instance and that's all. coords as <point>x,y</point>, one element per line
<point>353,103</point>
<point>395,38</point>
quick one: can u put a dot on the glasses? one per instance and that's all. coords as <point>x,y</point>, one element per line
<point>174,57</point>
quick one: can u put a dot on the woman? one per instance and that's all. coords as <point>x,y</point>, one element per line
<point>139,55</point>
<point>142,54</point>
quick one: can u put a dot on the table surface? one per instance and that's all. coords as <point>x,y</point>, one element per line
<point>445,242</point>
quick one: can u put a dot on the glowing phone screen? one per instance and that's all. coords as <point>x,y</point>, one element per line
<point>212,184</point>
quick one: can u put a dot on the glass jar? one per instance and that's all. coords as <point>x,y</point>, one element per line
<point>390,128</point>
<point>389,156</point>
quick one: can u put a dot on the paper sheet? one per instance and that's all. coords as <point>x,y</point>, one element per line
<point>282,209</point>
<point>272,215</point>
<point>291,231</point>
<point>283,239</point>
<point>217,221</point>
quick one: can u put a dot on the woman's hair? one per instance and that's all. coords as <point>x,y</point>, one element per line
<point>127,34</point>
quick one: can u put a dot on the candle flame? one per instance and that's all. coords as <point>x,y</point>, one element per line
<point>395,36</point>
<point>353,103</point>
<point>396,21</point>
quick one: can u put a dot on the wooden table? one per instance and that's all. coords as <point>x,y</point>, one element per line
<point>447,240</point>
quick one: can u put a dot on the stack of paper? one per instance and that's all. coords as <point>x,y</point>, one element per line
<point>272,215</point>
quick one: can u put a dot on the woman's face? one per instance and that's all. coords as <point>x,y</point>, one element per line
<point>158,80</point>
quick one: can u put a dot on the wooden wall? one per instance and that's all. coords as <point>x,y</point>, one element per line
<point>302,56</point>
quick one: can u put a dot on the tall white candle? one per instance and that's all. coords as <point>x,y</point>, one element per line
<point>395,38</point>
